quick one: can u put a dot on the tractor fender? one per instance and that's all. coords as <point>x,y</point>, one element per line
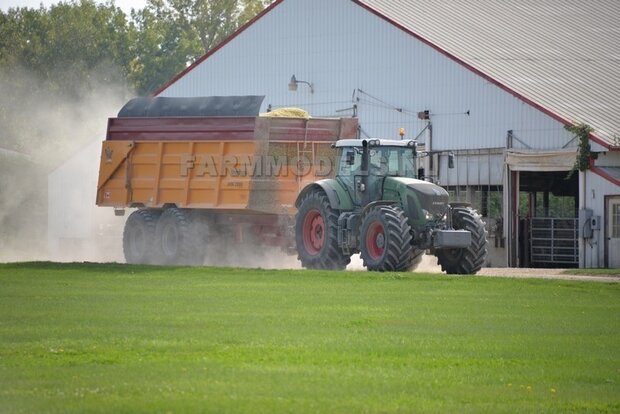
<point>456,204</point>
<point>330,187</point>
<point>374,204</point>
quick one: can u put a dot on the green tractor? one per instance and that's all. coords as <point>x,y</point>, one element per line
<point>377,207</point>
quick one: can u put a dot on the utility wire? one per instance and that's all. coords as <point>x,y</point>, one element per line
<point>380,103</point>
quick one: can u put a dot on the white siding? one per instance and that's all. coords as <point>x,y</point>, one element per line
<point>593,251</point>
<point>483,168</point>
<point>340,47</point>
<point>608,159</point>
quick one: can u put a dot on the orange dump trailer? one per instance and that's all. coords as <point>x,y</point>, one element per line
<point>201,180</point>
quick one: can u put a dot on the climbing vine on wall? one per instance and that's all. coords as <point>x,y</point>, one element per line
<point>584,153</point>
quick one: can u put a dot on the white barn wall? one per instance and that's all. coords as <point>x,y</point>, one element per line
<point>340,47</point>
<point>596,188</point>
<point>484,167</point>
<point>608,159</point>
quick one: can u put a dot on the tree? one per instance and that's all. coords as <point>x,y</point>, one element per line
<point>66,45</point>
<point>53,58</point>
<point>172,34</point>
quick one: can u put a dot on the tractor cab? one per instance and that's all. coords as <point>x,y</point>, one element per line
<point>363,166</point>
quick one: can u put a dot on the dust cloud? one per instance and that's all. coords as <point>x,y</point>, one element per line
<point>427,265</point>
<point>256,256</point>
<point>49,161</point>
<point>272,258</point>
<point>49,157</point>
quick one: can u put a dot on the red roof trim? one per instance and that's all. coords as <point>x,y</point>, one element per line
<point>218,47</point>
<point>444,52</point>
<point>599,171</point>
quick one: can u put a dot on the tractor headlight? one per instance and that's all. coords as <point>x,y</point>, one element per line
<point>428,216</point>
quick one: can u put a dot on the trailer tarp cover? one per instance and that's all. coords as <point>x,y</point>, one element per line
<point>198,106</point>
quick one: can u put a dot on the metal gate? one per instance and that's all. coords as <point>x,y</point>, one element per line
<point>554,242</point>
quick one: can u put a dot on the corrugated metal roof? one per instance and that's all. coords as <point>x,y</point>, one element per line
<point>562,55</point>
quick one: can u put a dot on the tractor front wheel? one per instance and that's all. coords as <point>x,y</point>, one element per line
<point>469,260</point>
<point>316,238</point>
<point>385,241</point>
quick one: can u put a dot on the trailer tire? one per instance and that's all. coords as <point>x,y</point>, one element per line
<point>465,261</point>
<point>179,238</point>
<point>139,237</point>
<point>385,240</point>
<point>316,234</point>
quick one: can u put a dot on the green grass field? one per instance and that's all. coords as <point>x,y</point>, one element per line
<point>116,338</point>
<point>593,272</point>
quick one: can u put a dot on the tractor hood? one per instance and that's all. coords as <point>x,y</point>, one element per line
<point>428,196</point>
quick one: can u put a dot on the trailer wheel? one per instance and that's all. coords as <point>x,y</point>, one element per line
<point>316,227</point>
<point>179,238</point>
<point>385,241</point>
<point>465,261</point>
<point>139,236</point>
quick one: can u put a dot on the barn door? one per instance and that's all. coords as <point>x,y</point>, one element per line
<point>613,231</point>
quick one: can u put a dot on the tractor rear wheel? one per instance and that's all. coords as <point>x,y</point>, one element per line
<point>179,238</point>
<point>316,228</point>
<point>465,261</point>
<point>385,241</point>
<point>139,236</point>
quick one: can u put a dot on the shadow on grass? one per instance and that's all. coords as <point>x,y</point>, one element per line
<point>87,267</point>
<point>614,272</point>
<point>122,268</point>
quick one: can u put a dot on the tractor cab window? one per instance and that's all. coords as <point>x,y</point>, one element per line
<point>350,162</point>
<point>393,161</point>
<point>349,165</point>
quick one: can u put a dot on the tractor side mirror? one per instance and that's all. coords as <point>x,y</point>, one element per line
<point>414,148</point>
<point>451,160</point>
<point>350,157</point>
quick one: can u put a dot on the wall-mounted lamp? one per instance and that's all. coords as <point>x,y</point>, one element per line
<point>292,85</point>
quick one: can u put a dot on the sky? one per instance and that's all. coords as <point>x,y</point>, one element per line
<point>126,5</point>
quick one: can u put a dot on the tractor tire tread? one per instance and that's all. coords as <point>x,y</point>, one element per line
<point>399,253</point>
<point>471,259</point>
